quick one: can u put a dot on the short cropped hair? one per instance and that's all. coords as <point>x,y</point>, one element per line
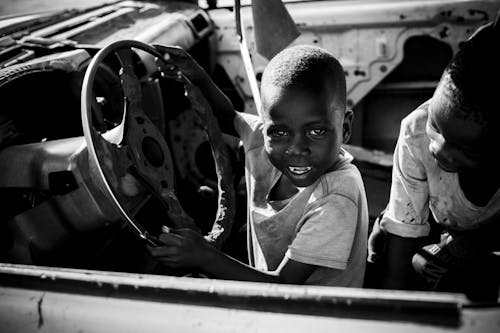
<point>471,80</point>
<point>306,67</point>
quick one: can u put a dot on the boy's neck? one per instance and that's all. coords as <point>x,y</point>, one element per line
<point>283,189</point>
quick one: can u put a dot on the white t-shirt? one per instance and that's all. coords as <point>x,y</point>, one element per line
<point>324,224</point>
<point>419,184</point>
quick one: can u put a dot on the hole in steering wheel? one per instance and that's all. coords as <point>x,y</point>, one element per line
<point>153,152</point>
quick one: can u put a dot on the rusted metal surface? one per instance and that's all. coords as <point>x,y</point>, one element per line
<point>57,300</point>
<point>229,295</point>
<point>160,23</point>
<point>367,36</point>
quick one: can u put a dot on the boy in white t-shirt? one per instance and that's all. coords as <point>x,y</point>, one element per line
<point>447,163</point>
<point>307,210</point>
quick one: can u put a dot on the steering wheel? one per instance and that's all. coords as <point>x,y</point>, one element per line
<point>132,159</point>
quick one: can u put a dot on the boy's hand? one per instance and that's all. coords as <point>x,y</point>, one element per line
<point>376,242</point>
<point>220,104</point>
<point>181,248</point>
<point>183,61</point>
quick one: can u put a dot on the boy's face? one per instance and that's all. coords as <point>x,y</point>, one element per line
<point>303,132</point>
<point>459,145</point>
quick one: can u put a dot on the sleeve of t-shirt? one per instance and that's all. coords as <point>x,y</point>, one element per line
<point>408,207</point>
<point>248,127</point>
<point>327,233</point>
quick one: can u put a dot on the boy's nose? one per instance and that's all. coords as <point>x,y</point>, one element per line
<point>298,147</point>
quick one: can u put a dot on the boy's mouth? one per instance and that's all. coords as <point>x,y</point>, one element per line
<point>299,170</point>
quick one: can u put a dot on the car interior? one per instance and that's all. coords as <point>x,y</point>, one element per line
<point>101,138</point>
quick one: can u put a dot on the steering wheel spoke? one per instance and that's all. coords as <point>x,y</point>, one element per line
<point>130,83</point>
<point>115,157</point>
<point>116,162</point>
<point>136,207</point>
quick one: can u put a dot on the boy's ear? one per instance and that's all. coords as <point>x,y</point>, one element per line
<point>347,125</point>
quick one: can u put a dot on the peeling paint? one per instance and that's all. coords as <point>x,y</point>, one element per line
<point>485,16</point>
<point>446,13</point>
<point>443,33</point>
<point>358,72</point>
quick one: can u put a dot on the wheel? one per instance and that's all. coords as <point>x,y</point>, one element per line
<point>132,158</point>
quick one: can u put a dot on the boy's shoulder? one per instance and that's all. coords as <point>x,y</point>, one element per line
<point>249,128</point>
<point>413,125</point>
<point>345,181</point>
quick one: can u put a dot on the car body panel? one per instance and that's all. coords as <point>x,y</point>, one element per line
<point>367,36</point>
<point>54,300</point>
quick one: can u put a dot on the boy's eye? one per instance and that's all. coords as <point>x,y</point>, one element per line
<point>317,132</point>
<point>278,133</point>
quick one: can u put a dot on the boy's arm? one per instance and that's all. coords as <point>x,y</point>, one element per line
<point>398,270</point>
<point>225,267</point>
<point>404,224</point>
<point>221,105</point>
<point>186,248</point>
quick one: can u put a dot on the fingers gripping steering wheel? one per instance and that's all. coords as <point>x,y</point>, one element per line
<point>135,151</point>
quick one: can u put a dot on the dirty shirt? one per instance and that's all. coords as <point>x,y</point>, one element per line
<point>419,185</point>
<point>324,224</point>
